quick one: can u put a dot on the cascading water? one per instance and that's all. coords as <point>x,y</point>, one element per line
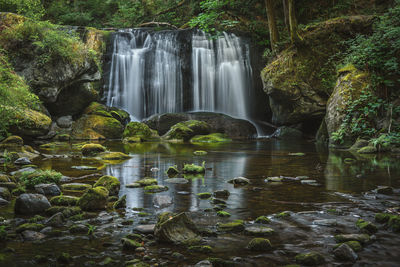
<point>173,71</point>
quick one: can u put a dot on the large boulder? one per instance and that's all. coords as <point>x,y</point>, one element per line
<point>30,123</point>
<point>177,229</point>
<point>187,129</point>
<point>31,204</point>
<point>221,123</point>
<point>94,199</point>
<point>139,131</point>
<point>299,81</point>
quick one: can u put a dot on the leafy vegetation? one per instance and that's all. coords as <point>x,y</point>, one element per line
<point>30,179</point>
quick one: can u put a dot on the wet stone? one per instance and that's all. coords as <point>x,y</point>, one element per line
<point>326,222</point>
<point>310,259</point>
<point>310,182</point>
<point>5,193</point>
<point>22,161</point>
<point>29,235</point>
<point>345,253</point>
<point>162,201</point>
<point>385,190</point>
<point>362,238</point>
<point>221,194</point>
<point>258,230</point>
<point>145,229</point>
<point>48,189</point>
<point>177,181</point>
<point>239,181</point>
<point>3,202</point>
<point>84,168</point>
<point>204,263</point>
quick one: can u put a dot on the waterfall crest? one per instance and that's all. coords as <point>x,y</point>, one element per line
<point>168,71</point>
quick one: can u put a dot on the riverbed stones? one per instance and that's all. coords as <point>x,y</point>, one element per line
<point>259,244</point>
<point>345,253</point>
<point>310,259</point>
<point>129,244</point>
<point>262,220</point>
<point>94,199</point>
<point>366,227</point>
<point>239,181</point>
<point>22,161</point>
<point>362,238</point>
<point>4,202</point>
<point>57,220</point>
<point>48,189</point>
<point>145,229</point>
<point>110,182</point>
<point>326,222</point>
<point>5,193</point>
<point>162,201</point>
<point>234,226</point>
<point>177,229</point>
<point>385,190</point>
<point>221,194</point>
<point>64,200</point>
<point>29,235</point>
<point>146,182</point>
<point>31,204</point>
<point>258,230</point>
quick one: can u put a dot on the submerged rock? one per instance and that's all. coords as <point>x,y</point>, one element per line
<point>311,258</point>
<point>235,226</point>
<point>259,244</point>
<point>177,229</point>
<point>239,181</point>
<point>366,227</point>
<point>362,238</point>
<point>162,201</point>
<point>345,253</point>
<point>258,230</point>
<point>221,194</point>
<point>31,204</point>
<point>177,181</point>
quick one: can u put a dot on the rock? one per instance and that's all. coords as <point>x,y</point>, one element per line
<point>204,263</point>
<point>48,189</point>
<point>221,194</point>
<point>200,249</point>
<point>64,200</point>
<point>177,181</point>
<point>5,193</point>
<point>95,127</point>
<point>162,201</point>
<point>4,202</point>
<point>111,183</point>
<point>76,186</point>
<point>94,199</point>
<point>235,226</point>
<point>382,217</point>
<point>367,150</point>
<point>13,140</point>
<point>79,229</point>
<point>139,130</point>
<point>218,123</point>
<point>258,230</point>
<point>360,143</point>
<point>262,220</point>
<point>274,179</point>
<point>193,169</point>
<point>22,161</point>
<point>172,170</point>
<point>394,223</point>
<point>84,168</point>
<point>177,229</point>
<point>345,253</point>
<point>57,220</point>
<point>223,214</point>
<point>292,81</point>
<point>239,181</point>
<point>129,244</point>
<point>145,229</point>
<point>362,238</point>
<point>186,130</point>
<point>285,132</point>
<point>65,121</point>
<point>30,123</point>
<point>146,181</point>
<point>205,195</point>
<point>211,138</point>
<point>120,203</point>
<point>386,190</point>
<point>155,188</point>
<point>31,204</point>
<point>259,244</point>
<point>32,235</point>
<point>366,227</point>
<point>326,222</point>
<point>92,149</point>
<point>310,182</point>
<point>114,156</point>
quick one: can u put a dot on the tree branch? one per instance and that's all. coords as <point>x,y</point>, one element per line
<point>158,24</point>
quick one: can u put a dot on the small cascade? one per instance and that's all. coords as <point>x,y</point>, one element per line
<point>175,71</point>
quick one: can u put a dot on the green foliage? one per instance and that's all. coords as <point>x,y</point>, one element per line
<point>29,8</point>
<point>30,179</point>
<point>14,95</point>
<point>91,229</point>
<point>379,52</point>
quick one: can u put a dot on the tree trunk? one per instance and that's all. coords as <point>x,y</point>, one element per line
<point>273,31</point>
<point>294,36</point>
<point>286,13</point>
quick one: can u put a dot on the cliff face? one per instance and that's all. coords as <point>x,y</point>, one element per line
<point>301,79</point>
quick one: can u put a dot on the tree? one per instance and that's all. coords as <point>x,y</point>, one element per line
<point>294,36</point>
<point>273,31</point>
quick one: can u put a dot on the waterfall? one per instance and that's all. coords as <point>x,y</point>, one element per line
<point>175,71</point>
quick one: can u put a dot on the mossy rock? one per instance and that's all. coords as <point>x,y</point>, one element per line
<point>394,223</point>
<point>12,141</point>
<point>121,115</point>
<point>259,244</point>
<point>205,195</point>
<point>139,130</point>
<point>114,156</point>
<point>30,123</point>
<point>224,214</point>
<point>76,186</point>
<point>155,188</point>
<point>29,226</point>
<point>96,108</point>
<point>92,149</point>
<point>131,140</point>
<point>200,153</point>
<point>200,249</point>
<point>310,259</point>
<point>283,214</point>
<point>211,138</point>
<point>362,238</point>
<point>63,137</point>
<point>129,244</point>
<point>193,169</point>
<point>367,150</point>
<point>96,127</point>
<point>94,199</point>
<point>262,220</point>
<point>382,217</point>
<point>354,245</point>
<point>172,170</point>
<point>110,182</point>
<point>147,181</point>
<point>366,226</point>
<point>64,201</point>
<point>235,226</point>
<point>65,210</point>
<point>186,130</point>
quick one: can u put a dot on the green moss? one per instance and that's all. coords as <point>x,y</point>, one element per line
<point>235,226</point>
<point>367,150</point>
<point>64,201</point>
<point>366,226</point>
<point>382,217</point>
<point>311,258</point>
<point>354,245</point>
<point>362,238</point>
<point>130,140</point>
<point>172,170</point>
<point>193,169</point>
<point>187,129</point>
<point>155,188</point>
<point>259,244</point>
<point>76,187</point>
<point>129,244</point>
<point>262,220</point>
<point>394,223</point>
<point>94,199</point>
<point>143,214</point>
<point>110,182</point>
<point>223,214</point>
<point>283,214</point>
<point>29,226</point>
<point>139,130</point>
<point>211,138</point>
<point>147,181</point>
<point>36,218</point>
<point>114,156</point>
<point>204,195</point>
<point>200,153</point>
<point>92,149</point>
<point>30,179</point>
<point>200,249</point>
<point>95,127</point>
